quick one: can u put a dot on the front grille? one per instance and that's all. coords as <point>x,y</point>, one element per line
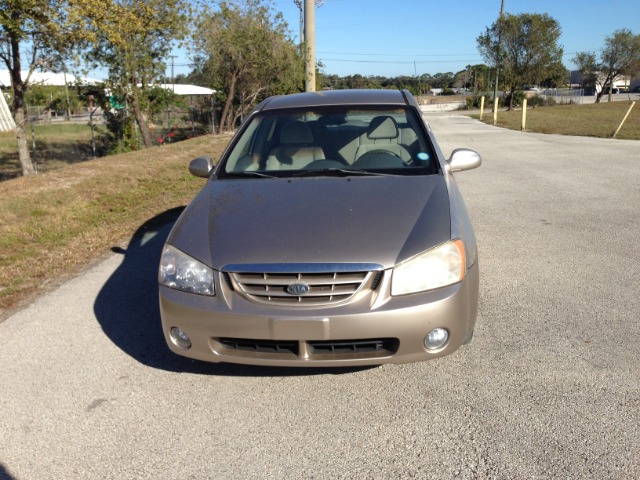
<point>315,288</point>
<point>260,346</point>
<point>388,345</point>
<point>309,350</point>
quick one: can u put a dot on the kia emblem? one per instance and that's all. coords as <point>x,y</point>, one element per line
<point>298,289</point>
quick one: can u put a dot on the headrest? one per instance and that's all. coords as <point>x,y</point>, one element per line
<point>382,127</point>
<point>295,133</point>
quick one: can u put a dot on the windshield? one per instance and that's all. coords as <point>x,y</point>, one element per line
<point>331,141</point>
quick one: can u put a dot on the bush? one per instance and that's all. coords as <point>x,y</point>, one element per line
<point>532,101</point>
<point>473,101</point>
<point>541,101</point>
<point>518,96</point>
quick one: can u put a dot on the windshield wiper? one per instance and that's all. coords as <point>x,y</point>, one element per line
<point>245,174</point>
<point>340,172</point>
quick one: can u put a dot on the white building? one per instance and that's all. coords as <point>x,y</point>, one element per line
<point>6,119</point>
<point>624,83</point>
<point>61,79</point>
<point>47,78</point>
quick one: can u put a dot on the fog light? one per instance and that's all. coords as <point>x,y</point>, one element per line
<point>436,338</point>
<point>180,337</point>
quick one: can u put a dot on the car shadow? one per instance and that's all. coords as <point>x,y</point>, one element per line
<point>128,312</point>
<point>4,473</point>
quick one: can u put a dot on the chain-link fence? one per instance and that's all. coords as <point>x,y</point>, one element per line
<point>566,95</point>
<point>168,126</point>
<point>56,138</point>
<point>175,123</point>
<point>45,116</point>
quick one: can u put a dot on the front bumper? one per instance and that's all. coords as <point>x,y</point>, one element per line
<point>370,330</point>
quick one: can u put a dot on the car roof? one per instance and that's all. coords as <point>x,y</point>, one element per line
<point>336,97</point>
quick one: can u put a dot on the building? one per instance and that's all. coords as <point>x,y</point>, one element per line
<point>6,119</point>
<point>66,79</point>
<point>623,83</point>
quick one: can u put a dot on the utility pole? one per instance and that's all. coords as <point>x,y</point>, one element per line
<point>66,91</point>
<point>310,45</point>
<point>173,89</point>
<point>173,85</point>
<point>498,57</point>
<point>301,8</point>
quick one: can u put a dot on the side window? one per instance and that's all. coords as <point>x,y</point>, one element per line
<point>419,144</point>
<point>240,158</point>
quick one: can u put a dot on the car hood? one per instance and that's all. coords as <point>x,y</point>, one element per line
<point>382,220</point>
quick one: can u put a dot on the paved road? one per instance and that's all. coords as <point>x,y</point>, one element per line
<point>550,387</point>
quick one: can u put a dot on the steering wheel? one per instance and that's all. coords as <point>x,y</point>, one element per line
<point>382,151</point>
<point>383,159</point>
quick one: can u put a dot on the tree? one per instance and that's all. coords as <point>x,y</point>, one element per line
<point>133,38</point>
<point>620,57</point>
<point>588,67</point>
<point>529,51</point>
<point>246,50</point>
<point>558,75</point>
<point>41,34</point>
<point>443,80</point>
<point>481,75</point>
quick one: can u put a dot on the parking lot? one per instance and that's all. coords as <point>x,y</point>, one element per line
<point>549,388</point>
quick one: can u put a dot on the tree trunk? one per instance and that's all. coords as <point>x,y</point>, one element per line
<point>227,103</point>
<point>23,148</point>
<point>147,138</point>
<point>19,107</point>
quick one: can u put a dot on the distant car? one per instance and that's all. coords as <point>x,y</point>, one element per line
<point>330,233</point>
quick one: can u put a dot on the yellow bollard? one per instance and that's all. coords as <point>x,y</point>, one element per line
<point>623,120</point>
<point>481,106</point>
<point>524,115</point>
<point>495,110</point>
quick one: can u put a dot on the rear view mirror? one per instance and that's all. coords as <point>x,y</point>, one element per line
<point>464,159</point>
<point>201,166</point>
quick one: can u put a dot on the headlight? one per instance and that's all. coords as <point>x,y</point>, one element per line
<point>178,270</point>
<point>435,268</point>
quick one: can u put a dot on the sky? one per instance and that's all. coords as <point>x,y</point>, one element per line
<point>412,37</point>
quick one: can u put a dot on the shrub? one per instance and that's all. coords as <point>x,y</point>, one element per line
<point>518,96</point>
<point>473,101</point>
<point>541,101</point>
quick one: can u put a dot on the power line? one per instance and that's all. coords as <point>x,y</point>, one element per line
<point>402,55</point>
<point>393,62</point>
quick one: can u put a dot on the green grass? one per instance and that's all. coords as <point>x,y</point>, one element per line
<point>54,224</point>
<point>57,145</point>
<point>593,120</point>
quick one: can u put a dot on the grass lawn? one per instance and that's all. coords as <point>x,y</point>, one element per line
<point>56,223</point>
<point>593,120</point>
<point>56,145</point>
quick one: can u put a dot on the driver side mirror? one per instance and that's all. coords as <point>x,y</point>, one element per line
<point>201,166</point>
<point>464,159</point>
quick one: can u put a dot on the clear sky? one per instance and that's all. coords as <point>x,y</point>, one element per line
<point>408,37</point>
<point>412,37</point>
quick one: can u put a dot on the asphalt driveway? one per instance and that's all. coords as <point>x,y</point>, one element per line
<point>549,388</point>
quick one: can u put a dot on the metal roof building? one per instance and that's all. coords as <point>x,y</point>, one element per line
<point>60,79</point>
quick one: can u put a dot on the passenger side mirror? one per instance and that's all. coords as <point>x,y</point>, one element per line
<point>201,166</point>
<point>464,159</point>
